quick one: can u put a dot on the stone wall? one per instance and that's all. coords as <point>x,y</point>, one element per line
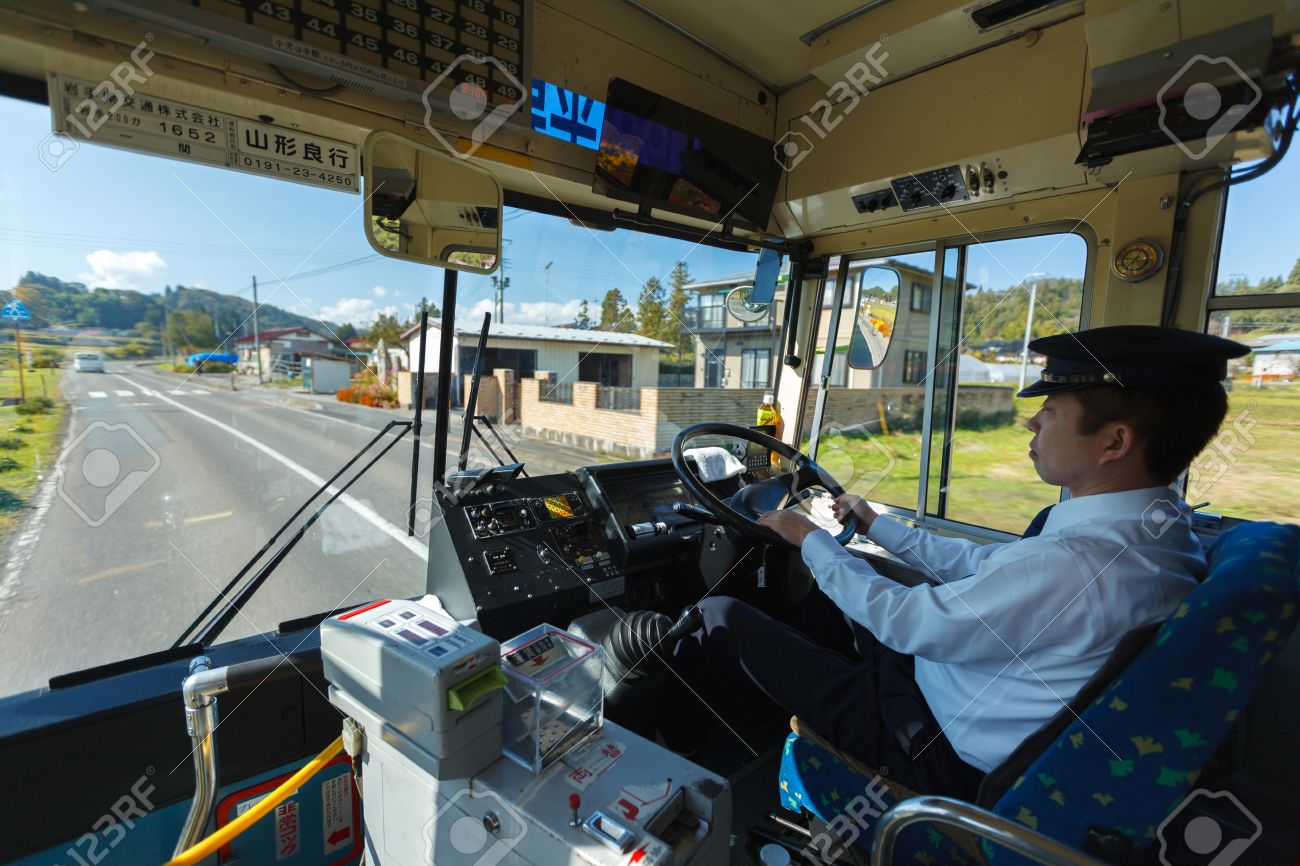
<point>665,412</point>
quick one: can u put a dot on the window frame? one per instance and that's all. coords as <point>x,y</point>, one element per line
<point>1210,522</point>
<point>918,515</point>
<point>755,353</point>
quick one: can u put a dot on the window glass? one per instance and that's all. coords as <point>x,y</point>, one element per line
<point>1251,468</point>
<point>1014,290</point>
<point>129,497</point>
<point>1258,255</point>
<point>871,428</point>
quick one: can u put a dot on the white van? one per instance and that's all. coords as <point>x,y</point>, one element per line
<point>88,362</point>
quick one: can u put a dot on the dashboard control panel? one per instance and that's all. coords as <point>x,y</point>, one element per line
<point>518,515</point>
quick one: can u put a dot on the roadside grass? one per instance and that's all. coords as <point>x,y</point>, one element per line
<point>1251,470</point>
<point>36,439</point>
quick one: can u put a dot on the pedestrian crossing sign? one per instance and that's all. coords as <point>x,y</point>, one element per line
<point>14,310</point>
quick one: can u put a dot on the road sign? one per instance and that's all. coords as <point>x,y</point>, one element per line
<point>15,310</point>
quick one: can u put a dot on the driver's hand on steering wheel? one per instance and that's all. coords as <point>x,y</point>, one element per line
<point>789,524</point>
<point>851,503</point>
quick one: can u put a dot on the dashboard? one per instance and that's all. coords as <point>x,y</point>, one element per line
<point>515,553</point>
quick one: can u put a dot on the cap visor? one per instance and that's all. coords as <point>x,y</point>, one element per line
<point>1040,388</point>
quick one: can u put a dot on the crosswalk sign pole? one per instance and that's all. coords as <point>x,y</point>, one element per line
<point>18,354</point>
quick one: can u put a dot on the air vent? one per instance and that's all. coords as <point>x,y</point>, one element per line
<point>1004,11</point>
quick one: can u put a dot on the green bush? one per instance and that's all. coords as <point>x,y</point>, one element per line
<point>10,501</point>
<point>47,358</point>
<point>8,464</point>
<point>21,428</point>
<point>215,367</point>
<point>129,350</point>
<point>10,443</point>
<point>179,368</point>
<point>35,406</point>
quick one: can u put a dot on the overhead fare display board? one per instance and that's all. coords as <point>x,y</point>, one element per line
<point>413,50</point>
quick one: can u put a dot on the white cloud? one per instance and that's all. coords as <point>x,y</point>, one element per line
<point>379,291</point>
<point>127,270</point>
<point>357,311</point>
<point>528,312</point>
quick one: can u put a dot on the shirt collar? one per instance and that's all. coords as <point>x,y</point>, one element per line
<point>1124,505</point>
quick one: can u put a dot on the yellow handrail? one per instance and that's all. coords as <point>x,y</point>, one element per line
<point>205,848</point>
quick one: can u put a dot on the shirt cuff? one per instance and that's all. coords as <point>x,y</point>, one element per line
<point>819,546</point>
<point>889,533</point>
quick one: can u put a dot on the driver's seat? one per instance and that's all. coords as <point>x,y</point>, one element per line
<point>1103,775</point>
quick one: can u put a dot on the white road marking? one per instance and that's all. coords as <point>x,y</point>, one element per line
<point>124,393</point>
<point>364,511</point>
<point>198,391</point>
<point>96,394</point>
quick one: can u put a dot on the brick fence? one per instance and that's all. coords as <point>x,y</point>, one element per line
<point>665,412</point>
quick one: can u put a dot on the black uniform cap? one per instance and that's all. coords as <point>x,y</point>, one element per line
<point>1132,356</point>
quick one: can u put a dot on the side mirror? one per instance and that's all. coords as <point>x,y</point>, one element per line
<point>874,316</point>
<point>426,206</point>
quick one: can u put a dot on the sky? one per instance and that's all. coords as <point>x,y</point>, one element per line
<point>116,219</point>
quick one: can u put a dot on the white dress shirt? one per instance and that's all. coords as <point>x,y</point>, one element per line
<point>1014,630</point>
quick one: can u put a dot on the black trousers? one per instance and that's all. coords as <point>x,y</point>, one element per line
<point>826,669</point>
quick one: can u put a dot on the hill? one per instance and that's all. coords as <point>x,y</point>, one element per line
<point>55,303</point>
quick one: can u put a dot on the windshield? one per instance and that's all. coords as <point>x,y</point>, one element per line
<point>132,497</point>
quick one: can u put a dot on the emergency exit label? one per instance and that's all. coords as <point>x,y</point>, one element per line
<point>336,813</point>
<point>165,127</point>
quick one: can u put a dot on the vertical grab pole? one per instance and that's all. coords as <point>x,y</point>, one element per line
<point>417,397</point>
<point>442,412</point>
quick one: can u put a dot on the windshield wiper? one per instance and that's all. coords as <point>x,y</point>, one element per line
<point>235,603</point>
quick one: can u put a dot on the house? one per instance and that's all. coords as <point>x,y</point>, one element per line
<point>734,354</point>
<point>972,369</point>
<point>283,349</point>
<point>607,358</point>
<point>1277,362</point>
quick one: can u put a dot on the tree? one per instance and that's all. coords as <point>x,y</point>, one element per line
<point>614,312</point>
<point>651,314</point>
<point>583,320</point>
<point>678,300</point>
<point>387,327</point>
<point>345,332</point>
<point>425,305</point>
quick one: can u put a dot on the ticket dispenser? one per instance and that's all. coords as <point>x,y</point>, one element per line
<point>438,787</point>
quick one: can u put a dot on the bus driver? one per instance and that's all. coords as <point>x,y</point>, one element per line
<point>942,682</point>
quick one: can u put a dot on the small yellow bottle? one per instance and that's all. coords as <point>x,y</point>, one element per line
<point>769,415</point>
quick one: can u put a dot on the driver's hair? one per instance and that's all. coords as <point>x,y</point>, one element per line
<point>1175,423</point>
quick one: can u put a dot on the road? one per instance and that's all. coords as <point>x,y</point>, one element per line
<point>169,485</point>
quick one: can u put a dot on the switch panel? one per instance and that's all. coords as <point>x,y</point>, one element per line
<point>875,201</point>
<point>931,188</point>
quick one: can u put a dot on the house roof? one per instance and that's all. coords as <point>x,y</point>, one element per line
<point>1288,346</point>
<point>548,332</point>
<point>272,333</point>
<point>747,277</point>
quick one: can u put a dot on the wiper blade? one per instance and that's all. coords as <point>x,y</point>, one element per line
<point>235,603</point>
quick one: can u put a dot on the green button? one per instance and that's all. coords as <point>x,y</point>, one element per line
<point>464,695</point>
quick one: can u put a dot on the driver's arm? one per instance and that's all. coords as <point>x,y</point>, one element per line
<point>995,614</point>
<point>944,559</point>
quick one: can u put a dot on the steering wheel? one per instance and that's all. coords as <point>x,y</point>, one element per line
<point>783,491</point>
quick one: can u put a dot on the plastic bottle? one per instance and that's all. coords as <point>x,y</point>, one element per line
<point>769,415</point>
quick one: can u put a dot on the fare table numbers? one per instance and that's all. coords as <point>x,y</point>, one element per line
<point>372,45</point>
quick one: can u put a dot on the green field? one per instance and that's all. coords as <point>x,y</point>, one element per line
<point>1251,470</point>
<point>30,441</point>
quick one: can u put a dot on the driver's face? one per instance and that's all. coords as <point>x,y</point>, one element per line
<point>1059,452</point>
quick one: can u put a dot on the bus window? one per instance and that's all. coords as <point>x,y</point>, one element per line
<point>1250,469</point>
<point>874,407</point>
<point>1015,290</point>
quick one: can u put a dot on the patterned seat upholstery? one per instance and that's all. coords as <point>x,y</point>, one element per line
<point>1135,753</point>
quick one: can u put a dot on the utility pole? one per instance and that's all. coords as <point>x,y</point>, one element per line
<point>18,350</point>
<point>546,288</point>
<point>1029,327</point>
<point>257,333</point>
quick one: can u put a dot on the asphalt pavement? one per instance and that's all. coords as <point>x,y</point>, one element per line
<point>166,486</point>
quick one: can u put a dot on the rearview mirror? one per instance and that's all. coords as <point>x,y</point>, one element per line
<point>874,315</point>
<point>424,205</point>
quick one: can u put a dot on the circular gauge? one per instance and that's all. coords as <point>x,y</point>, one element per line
<point>1137,260</point>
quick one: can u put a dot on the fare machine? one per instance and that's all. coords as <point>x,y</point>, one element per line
<point>475,753</point>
